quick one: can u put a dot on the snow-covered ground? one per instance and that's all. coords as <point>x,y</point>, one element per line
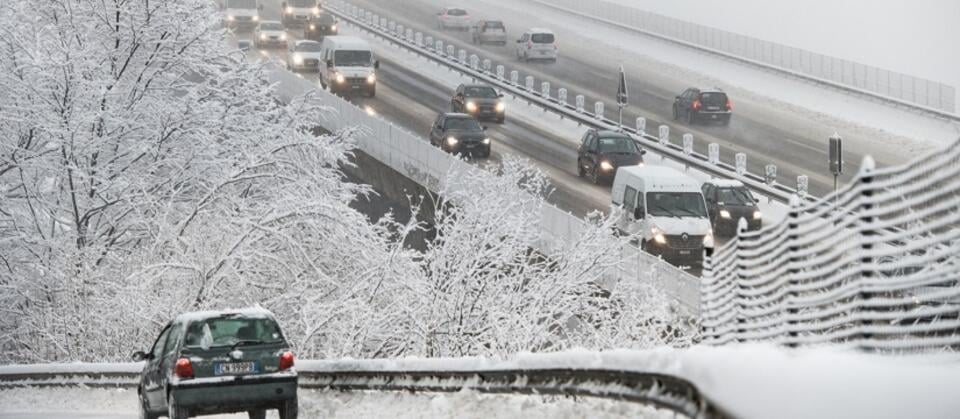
<point>76,402</point>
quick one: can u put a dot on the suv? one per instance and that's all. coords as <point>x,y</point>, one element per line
<point>270,33</point>
<point>703,105</point>
<point>537,44</point>
<point>479,100</point>
<point>320,26</point>
<point>727,202</point>
<point>241,14</point>
<point>460,133</point>
<point>489,32</point>
<point>602,152</point>
<point>453,18</point>
<point>298,12</point>
<point>218,362</point>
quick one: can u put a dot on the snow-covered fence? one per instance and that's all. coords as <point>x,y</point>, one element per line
<point>416,158</point>
<point>916,92</point>
<point>874,266</point>
<point>593,117</point>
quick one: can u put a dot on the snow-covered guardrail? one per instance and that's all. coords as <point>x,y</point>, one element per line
<point>874,266</point>
<point>543,95</point>
<point>655,389</point>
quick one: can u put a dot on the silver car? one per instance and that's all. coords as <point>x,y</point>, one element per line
<point>489,32</point>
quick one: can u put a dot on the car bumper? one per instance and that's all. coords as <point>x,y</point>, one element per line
<point>713,116</point>
<point>241,24</point>
<point>728,227</point>
<point>230,394</point>
<point>471,148</point>
<point>273,42</point>
<point>492,39</point>
<point>483,115</point>
<point>680,257</point>
<point>353,87</point>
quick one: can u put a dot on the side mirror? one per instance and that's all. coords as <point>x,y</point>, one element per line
<point>139,356</point>
<point>376,64</point>
<point>678,97</point>
<point>500,94</point>
<point>484,128</point>
<point>638,213</point>
<point>643,151</point>
<point>519,41</point>
<point>329,63</point>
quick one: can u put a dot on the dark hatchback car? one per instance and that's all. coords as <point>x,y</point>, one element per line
<point>460,133</point>
<point>320,26</point>
<point>602,152</point>
<point>480,101</point>
<point>695,105</point>
<point>727,202</point>
<point>218,362</point>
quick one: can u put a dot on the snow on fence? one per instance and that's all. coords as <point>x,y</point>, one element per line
<point>874,266</point>
<point>416,158</point>
<point>916,92</point>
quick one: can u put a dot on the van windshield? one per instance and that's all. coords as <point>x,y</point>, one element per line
<point>676,204</point>
<point>345,58</point>
<point>242,4</point>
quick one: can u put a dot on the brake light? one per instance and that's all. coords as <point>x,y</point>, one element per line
<point>529,44</point>
<point>696,105</point>
<point>286,361</point>
<point>183,369</point>
<point>729,105</point>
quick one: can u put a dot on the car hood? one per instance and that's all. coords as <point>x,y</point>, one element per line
<point>622,159</point>
<point>674,226</point>
<point>467,135</point>
<point>737,211</point>
<point>483,100</point>
<point>272,33</point>
<point>354,71</point>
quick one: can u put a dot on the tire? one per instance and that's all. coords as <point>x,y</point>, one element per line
<point>501,120</point>
<point>690,118</point>
<point>643,245</point>
<point>725,122</point>
<point>257,414</point>
<point>144,413</point>
<point>174,411</point>
<point>676,113</point>
<point>486,153</point>
<point>372,93</point>
<point>594,176</point>
<point>580,171</point>
<point>288,409</point>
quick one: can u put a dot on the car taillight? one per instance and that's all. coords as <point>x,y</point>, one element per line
<point>183,369</point>
<point>729,105</point>
<point>696,105</point>
<point>529,44</point>
<point>286,361</point>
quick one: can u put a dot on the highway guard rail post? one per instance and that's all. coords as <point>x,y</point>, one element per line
<point>654,389</point>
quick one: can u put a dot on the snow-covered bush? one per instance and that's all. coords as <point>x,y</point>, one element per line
<point>145,170</point>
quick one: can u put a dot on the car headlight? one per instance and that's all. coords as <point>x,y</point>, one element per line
<point>486,141</point>
<point>606,166</point>
<point>283,37</point>
<point>757,215</point>
<point>725,214</point>
<point>316,10</point>
<point>658,235</point>
<point>339,78</point>
<point>289,10</point>
<point>333,28</point>
<point>708,240</point>
<point>263,36</point>
<point>371,78</point>
<point>501,107</point>
<point>471,107</point>
<point>452,141</point>
<point>297,59</point>
<point>230,18</point>
<point>313,27</point>
<point>256,18</point>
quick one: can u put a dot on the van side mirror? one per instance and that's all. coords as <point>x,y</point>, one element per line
<point>500,94</point>
<point>484,127</point>
<point>376,64</point>
<point>643,151</point>
<point>139,356</point>
<point>329,63</point>
<point>638,213</point>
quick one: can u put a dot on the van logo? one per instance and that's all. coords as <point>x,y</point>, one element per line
<point>685,237</point>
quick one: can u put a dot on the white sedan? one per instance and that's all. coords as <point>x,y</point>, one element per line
<point>304,56</point>
<point>270,33</point>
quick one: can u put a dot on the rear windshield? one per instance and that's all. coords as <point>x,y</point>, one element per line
<point>271,26</point>
<point>493,25</point>
<point>309,47</point>
<point>228,330</point>
<point>346,58</point>
<point>462,124</point>
<point>456,12</point>
<point>480,91</point>
<point>617,145</point>
<point>242,4</point>
<point>542,38</point>
<point>735,196</point>
<point>713,98</point>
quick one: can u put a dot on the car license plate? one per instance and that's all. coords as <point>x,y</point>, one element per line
<point>713,116</point>
<point>684,252</point>
<point>471,145</point>
<point>355,87</point>
<point>228,368</point>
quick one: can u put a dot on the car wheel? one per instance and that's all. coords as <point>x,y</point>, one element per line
<point>175,411</point>
<point>144,412</point>
<point>501,120</point>
<point>288,409</point>
<point>594,176</point>
<point>486,153</point>
<point>257,414</point>
<point>643,245</point>
<point>725,122</point>
<point>372,93</point>
<point>690,118</point>
<point>676,114</point>
<point>580,171</point>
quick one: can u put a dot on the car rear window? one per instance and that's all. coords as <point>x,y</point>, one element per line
<point>456,12</point>
<point>542,38</point>
<point>713,98</point>
<point>228,330</point>
<point>493,25</point>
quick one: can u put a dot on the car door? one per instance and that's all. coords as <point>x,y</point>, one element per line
<point>152,382</point>
<point>591,156</point>
<point>683,103</point>
<point>709,195</point>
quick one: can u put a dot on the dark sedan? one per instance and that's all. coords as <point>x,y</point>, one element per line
<point>728,201</point>
<point>460,133</point>
<point>218,362</point>
<point>479,100</point>
<point>320,26</point>
<point>602,152</point>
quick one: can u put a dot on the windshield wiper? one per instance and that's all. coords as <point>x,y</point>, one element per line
<point>669,213</point>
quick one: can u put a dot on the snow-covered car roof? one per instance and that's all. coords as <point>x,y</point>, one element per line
<point>726,183</point>
<point>540,30</point>
<point>251,312</point>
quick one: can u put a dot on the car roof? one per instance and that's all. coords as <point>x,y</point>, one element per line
<point>610,133</point>
<point>256,312</point>
<point>306,42</point>
<point>276,22</point>
<point>477,85</point>
<point>667,178</point>
<point>347,42</point>
<point>540,30</point>
<point>726,183</point>
<point>457,115</point>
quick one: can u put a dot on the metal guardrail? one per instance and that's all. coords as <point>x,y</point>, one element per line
<point>481,69</point>
<point>659,390</point>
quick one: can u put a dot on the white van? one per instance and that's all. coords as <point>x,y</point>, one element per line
<point>538,44</point>
<point>348,66</point>
<point>666,209</point>
<point>241,14</point>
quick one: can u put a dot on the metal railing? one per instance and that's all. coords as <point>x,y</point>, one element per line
<point>556,100</point>
<point>902,89</point>
<point>654,389</point>
<point>874,266</point>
